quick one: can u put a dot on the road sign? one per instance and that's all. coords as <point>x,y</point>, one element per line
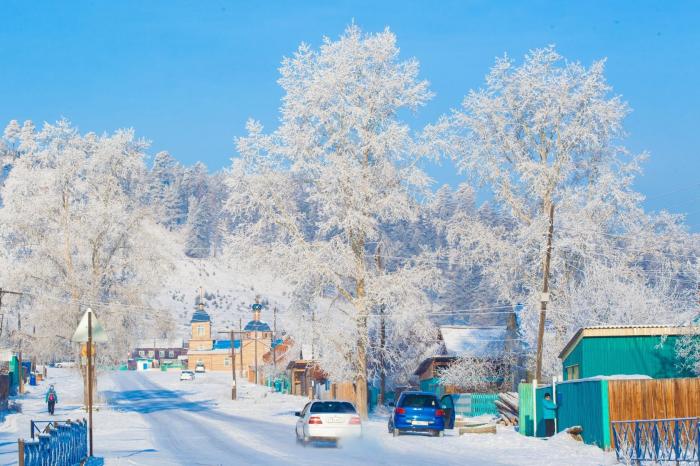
<point>81,333</point>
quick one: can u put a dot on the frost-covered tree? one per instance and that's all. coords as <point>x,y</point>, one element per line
<point>548,132</point>
<point>75,232</point>
<point>199,228</point>
<point>313,198</point>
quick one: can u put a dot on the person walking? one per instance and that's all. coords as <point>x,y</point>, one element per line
<point>51,399</point>
<point>549,409</point>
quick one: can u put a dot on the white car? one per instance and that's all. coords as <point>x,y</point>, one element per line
<point>199,368</point>
<point>327,420</point>
<point>65,364</point>
<point>186,375</point>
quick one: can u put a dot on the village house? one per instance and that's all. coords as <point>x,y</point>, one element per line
<point>492,342</point>
<point>158,351</point>
<point>648,350</point>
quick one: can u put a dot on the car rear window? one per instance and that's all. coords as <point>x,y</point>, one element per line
<point>419,401</point>
<point>332,407</point>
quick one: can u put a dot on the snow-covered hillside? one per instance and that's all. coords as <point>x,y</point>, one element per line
<point>229,290</point>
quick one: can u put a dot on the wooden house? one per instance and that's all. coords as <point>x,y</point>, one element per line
<point>463,341</point>
<point>159,351</point>
<point>647,350</point>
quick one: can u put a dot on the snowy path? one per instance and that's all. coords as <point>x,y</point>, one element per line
<point>154,419</point>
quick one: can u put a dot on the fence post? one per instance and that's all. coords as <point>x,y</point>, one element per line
<point>637,443</point>
<point>20,449</point>
<point>534,407</point>
<point>697,438</point>
<point>31,425</point>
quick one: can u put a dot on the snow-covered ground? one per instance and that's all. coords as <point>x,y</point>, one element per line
<point>154,419</point>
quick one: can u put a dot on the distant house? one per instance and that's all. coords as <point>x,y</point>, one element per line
<point>159,351</point>
<point>491,342</point>
<point>625,350</point>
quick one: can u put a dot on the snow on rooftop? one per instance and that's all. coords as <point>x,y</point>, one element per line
<point>160,343</point>
<point>473,341</point>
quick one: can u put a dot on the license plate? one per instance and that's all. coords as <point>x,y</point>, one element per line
<point>335,420</point>
<point>420,423</point>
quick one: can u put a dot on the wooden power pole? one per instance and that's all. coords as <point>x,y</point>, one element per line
<point>233,368</point>
<point>240,332</point>
<point>545,294</point>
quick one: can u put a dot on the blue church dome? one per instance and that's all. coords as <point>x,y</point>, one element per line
<point>256,325</point>
<point>200,315</point>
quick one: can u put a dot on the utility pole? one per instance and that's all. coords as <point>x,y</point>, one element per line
<point>257,307</point>
<point>20,370</point>
<point>240,332</point>
<point>545,294</point>
<point>233,368</point>
<point>274,336</point>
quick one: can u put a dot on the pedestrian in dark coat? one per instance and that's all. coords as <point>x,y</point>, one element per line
<point>51,399</point>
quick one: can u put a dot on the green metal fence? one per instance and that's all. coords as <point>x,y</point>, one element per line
<point>526,426</point>
<point>583,404</point>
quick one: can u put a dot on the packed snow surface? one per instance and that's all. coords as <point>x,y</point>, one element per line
<point>151,418</point>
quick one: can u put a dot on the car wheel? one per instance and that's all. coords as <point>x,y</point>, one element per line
<point>440,433</point>
<point>390,428</point>
<point>396,432</point>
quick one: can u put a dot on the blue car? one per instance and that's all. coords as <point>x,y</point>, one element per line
<point>417,412</point>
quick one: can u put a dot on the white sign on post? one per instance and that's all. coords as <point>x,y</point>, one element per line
<point>81,333</point>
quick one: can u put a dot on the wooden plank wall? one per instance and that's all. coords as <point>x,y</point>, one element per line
<point>653,399</point>
<point>630,400</point>
<point>344,391</point>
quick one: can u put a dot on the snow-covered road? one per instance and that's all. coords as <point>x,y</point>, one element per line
<point>154,419</point>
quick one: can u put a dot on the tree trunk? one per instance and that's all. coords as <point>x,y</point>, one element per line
<point>361,376</point>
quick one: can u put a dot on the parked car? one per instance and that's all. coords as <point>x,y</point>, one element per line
<point>199,367</point>
<point>186,375</point>
<point>417,412</point>
<point>327,420</point>
<point>65,364</point>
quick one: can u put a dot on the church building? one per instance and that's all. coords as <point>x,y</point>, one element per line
<point>215,354</point>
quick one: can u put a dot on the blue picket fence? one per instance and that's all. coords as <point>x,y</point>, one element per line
<point>658,440</point>
<point>64,444</point>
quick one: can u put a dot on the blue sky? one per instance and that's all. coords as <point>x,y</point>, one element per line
<point>187,74</point>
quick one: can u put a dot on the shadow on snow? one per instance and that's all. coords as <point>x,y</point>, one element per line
<point>150,401</point>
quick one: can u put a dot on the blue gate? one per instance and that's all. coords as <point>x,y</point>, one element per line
<point>656,440</point>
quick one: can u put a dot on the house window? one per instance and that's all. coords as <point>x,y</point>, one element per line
<point>572,372</point>
<point>200,331</point>
<point>151,353</point>
<point>161,353</point>
<point>227,362</point>
<point>142,353</point>
<point>171,354</point>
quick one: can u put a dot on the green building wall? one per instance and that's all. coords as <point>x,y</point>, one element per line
<point>643,355</point>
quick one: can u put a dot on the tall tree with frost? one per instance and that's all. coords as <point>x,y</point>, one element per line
<point>76,231</point>
<point>547,132</point>
<point>314,195</point>
<point>199,228</point>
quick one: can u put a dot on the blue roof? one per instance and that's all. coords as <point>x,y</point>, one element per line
<point>226,344</point>
<point>200,315</point>
<point>257,325</point>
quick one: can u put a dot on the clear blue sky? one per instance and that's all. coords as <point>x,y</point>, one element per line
<point>187,74</point>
